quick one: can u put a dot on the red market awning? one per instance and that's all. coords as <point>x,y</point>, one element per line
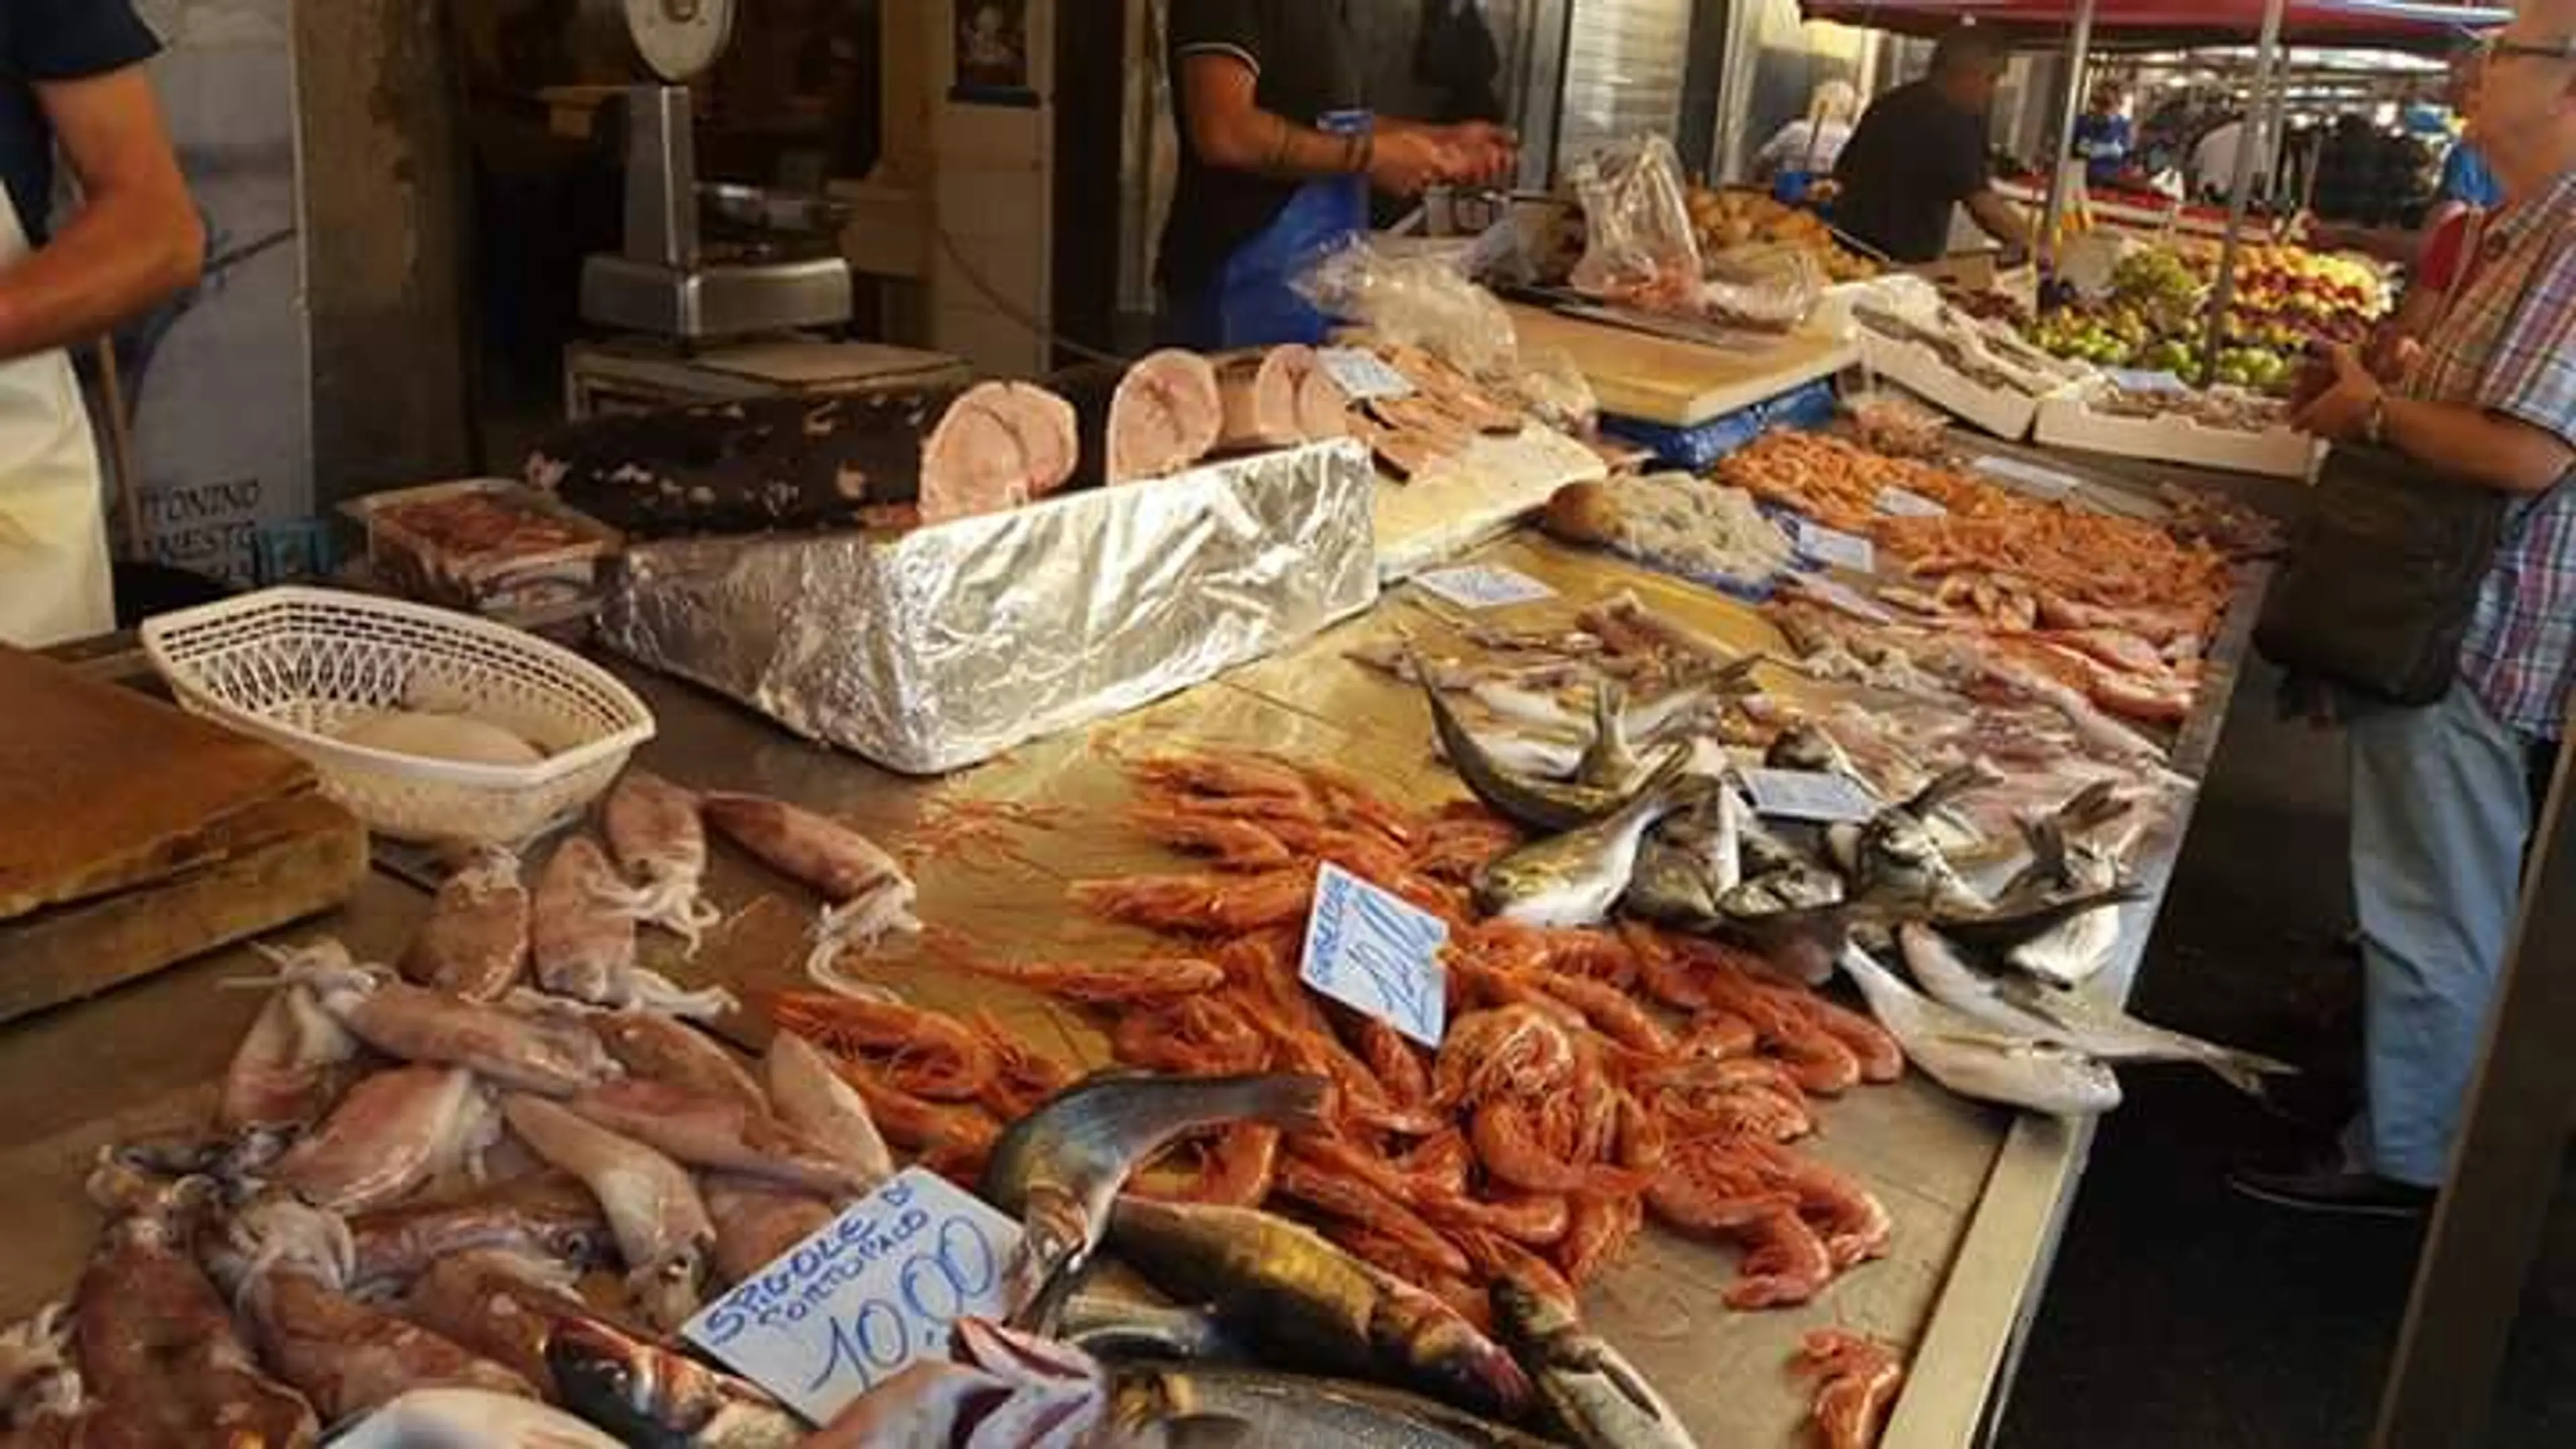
<point>2133,24</point>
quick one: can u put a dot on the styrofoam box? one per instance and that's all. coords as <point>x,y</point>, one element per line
<point>2069,421</point>
<point>2005,412</point>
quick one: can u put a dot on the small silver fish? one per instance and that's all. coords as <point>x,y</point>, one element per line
<point>1898,858</point>
<point>1059,1168</point>
<point>1575,878</point>
<point>2027,1008</point>
<point>1964,1055</point>
<point>1806,746</point>
<point>646,1394</point>
<point>1204,1408</point>
<point>1598,1398</point>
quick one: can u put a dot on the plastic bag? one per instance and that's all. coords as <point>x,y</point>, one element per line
<point>1419,300</point>
<point>1554,391</point>
<point>1769,286</point>
<point>1638,241</point>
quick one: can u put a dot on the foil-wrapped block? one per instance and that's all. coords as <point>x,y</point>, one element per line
<point>937,649</point>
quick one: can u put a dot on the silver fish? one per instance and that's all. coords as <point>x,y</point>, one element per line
<point>2027,1008</point>
<point>1575,878</point>
<point>1962,1054</point>
<point>1898,858</point>
<point>1806,746</point>
<point>2065,862</point>
<point>648,1395</point>
<point>1608,762</point>
<point>1598,1398</point>
<point>1542,805</point>
<point>1202,1408</point>
<point>1059,1168</point>
<point>470,1419</point>
<point>1124,1329</point>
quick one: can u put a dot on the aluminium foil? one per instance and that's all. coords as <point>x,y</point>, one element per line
<point>937,649</point>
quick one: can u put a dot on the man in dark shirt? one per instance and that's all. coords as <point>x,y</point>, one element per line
<point>71,79</point>
<point>1268,100</point>
<point>1922,150</point>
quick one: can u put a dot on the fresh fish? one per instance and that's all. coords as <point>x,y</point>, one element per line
<point>2065,862</point>
<point>660,1048</point>
<point>1608,762</point>
<point>289,1068</point>
<point>525,1052</point>
<point>812,1097</point>
<point>394,1132</point>
<point>475,942</point>
<point>2024,1007</point>
<point>1286,1290</point>
<point>161,1359</point>
<point>470,1419</point>
<point>653,1398</point>
<point>1526,708</point>
<point>1806,746</point>
<point>289,1267</point>
<point>1059,1168</point>
<point>715,1134</point>
<point>547,1214</point>
<point>1659,718</point>
<point>1123,1329</point>
<point>1796,886</point>
<point>652,1207</point>
<point>1535,757</point>
<point>1216,1408</point>
<point>1532,804</point>
<point>1898,858</point>
<point>653,829</point>
<point>1575,878</point>
<point>1965,1056</point>
<point>1597,1398</point>
<point>1690,861</point>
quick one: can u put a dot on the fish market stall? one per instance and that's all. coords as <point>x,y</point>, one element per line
<point>1073,850</point>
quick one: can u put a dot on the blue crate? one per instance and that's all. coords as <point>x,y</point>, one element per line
<point>1697,448</point>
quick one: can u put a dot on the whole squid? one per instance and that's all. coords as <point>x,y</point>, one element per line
<point>523,1051</point>
<point>475,942</point>
<point>545,1214</point>
<point>395,1131</point>
<point>865,891</point>
<point>653,828</point>
<point>584,938</point>
<point>811,1096</point>
<point>715,1134</point>
<point>289,1068</point>
<point>660,1048</point>
<point>653,1208</point>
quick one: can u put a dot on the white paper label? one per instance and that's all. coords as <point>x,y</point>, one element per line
<point>1485,586</point>
<point>1376,952</point>
<point>1808,795</point>
<point>1833,546</point>
<point>2030,477</point>
<point>1362,374</point>
<point>1903,503</point>
<point>1834,594</point>
<point>873,1290</point>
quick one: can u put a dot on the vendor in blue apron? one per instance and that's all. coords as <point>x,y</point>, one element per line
<point>71,80</point>
<point>1278,155</point>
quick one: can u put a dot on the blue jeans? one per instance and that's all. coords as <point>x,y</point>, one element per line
<point>2441,810</point>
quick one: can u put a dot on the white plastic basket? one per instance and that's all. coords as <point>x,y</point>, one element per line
<point>295,666</point>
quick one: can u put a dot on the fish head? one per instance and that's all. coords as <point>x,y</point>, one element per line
<point>623,1384</point>
<point>1526,1311</point>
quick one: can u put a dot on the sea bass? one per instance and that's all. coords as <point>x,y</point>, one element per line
<point>2027,1008</point>
<point>1059,1168</point>
<point>1574,879</point>
<point>1284,1288</point>
<point>1962,1054</point>
<point>1597,1398</point>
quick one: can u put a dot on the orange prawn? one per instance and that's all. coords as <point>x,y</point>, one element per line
<point>929,1054</point>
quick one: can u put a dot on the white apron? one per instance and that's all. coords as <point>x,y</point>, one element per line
<point>54,583</point>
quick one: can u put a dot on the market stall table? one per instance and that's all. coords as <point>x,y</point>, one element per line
<point>1978,1195</point>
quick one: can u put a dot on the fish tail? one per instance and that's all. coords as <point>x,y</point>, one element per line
<point>1292,1103</point>
<point>2247,1072</point>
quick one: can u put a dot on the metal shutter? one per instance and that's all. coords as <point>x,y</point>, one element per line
<point>1624,61</point>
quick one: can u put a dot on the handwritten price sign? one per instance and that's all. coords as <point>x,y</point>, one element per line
<point>869,1293</point>
<point>1375,952</point>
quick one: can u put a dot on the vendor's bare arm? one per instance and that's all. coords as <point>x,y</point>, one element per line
<point>1999,218</point>
<point>135,239</point>
<point>1227,127</point>
<point>2480,446</point>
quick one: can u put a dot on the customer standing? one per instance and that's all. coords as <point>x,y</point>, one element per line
<point>1814,142</point>
<point>71,78</point>
<point>2442,802</point>
<point>1921,150</point>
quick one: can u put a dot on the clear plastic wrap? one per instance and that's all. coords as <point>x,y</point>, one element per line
<point>1770,286</point>
<point>1639,244</point>
<point>1555,391</point>
<point>1421,300</point>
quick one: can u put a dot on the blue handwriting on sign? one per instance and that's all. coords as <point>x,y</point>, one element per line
<point>1372,951</point>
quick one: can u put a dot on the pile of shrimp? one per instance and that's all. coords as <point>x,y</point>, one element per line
<point>2088,562</point>
<point>1587,1079</point>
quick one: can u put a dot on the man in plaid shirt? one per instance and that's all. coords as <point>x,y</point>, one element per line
<point>2442,797</point>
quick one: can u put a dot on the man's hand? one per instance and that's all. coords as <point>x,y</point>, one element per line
<point>1403,162</point>
<point>2342,412</point>
<point>1489,155</point>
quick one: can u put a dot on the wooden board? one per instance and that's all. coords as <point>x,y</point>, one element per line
<point>102,788</point>
<point>264,866</point>
<point>1679,384</point>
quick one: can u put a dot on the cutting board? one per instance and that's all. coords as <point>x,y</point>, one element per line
<point>133,835</point>
<point>1679,384</point>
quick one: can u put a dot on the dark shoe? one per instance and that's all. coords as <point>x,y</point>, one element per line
<point>2330,1187</point>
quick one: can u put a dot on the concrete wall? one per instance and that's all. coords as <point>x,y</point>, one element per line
<point>382,215</point>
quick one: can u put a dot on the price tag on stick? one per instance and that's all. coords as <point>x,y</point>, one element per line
<point>1374,951</point>
<point>872,1291</point>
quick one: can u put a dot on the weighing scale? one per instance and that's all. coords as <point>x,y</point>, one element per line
<point>702,261</point>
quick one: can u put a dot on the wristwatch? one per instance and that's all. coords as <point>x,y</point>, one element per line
<point>2374,424</point>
